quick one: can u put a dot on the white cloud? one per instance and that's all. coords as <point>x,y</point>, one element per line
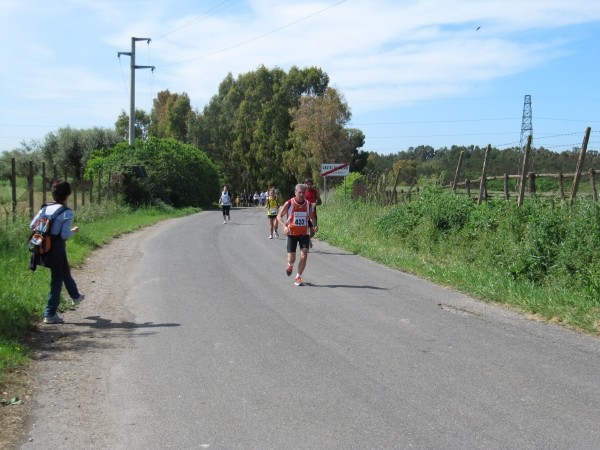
<point>380,54</point>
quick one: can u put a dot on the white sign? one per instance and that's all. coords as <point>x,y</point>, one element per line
<point>335,170</point>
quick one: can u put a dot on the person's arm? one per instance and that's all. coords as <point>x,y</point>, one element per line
<point>313,218</point>
<point>319,201</point>
<point>35,219</point>
<point>282,212</point>
<point>66,231</point>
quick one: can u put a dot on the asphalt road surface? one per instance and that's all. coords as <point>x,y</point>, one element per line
<point>232,355</point>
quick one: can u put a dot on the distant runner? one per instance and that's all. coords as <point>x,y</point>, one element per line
<point>225,202</point>
<point>272,207</point>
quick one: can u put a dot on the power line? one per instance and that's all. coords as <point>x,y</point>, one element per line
<point>216,52</point>
<point>205,15</point>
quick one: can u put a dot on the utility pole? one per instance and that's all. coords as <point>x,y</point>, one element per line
<point>132,89</point>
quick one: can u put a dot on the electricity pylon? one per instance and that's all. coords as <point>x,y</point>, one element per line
<point>526,130</point>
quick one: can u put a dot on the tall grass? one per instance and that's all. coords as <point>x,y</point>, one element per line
<point>542,258</point>
<point>23,294</point>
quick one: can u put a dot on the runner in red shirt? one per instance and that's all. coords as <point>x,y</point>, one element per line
<point>313,196</point>
<point>294,218</point>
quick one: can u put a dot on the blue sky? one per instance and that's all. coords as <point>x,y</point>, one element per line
<point>413,72</point>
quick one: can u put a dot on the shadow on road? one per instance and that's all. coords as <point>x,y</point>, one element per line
<point>107,323</point>
<point>333,286</point>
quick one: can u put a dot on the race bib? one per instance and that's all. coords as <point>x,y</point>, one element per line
<point>273,211</point>
<point>300,219</point>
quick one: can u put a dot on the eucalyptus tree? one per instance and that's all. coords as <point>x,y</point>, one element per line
<point>245,127</point>
<point>142,123</point>
<point>170,115</point>
<point>319,134</point>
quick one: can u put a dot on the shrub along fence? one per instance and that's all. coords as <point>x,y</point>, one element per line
<point>27,197</point>
<point>384,188</point>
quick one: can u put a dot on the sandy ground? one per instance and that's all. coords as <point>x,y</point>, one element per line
<point>66,385</point>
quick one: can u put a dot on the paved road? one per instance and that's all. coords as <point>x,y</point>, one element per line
<point>235,356</point>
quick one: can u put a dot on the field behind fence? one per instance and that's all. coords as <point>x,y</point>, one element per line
<point>23,196</point>
<point>385,189</point>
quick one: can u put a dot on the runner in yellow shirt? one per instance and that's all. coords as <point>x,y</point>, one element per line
<point>272,207</point>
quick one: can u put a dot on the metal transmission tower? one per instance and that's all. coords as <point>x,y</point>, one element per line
<point>132,89</point>
<point>526,129</point>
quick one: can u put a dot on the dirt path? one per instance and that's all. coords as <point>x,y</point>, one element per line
<point>67,382</point>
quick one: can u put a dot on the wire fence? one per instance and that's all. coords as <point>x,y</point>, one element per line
<point>384,188</point>
<point>23,196</point>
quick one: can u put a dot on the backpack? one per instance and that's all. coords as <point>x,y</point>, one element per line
<point>40,241</point>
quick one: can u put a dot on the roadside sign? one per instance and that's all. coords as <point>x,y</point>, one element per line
<point>335,170</point>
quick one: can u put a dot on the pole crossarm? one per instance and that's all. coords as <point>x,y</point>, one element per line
<point>132,90</point>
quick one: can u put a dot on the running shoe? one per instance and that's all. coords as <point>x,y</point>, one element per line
<point>53,319</point>
<point>289,270</point>
<point>270,236</point>
<point>298,281</point>
<point>78,300</point>
<point>277,235</point>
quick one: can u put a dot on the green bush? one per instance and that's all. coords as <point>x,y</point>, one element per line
<point>179,174</point>
<point>447,211</point>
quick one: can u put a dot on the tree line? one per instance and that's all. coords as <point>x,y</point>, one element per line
<point>267,127</point>
<point>264,128</point>
<point>425,161</point>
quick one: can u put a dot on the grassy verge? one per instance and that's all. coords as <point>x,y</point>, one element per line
<point>23,293</point>
<point>488,254</point>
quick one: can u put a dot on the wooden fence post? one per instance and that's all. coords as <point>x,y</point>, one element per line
<point>506,193</point>
<point>455,181</point>
<point>561,186</point>
<point>100,188</point>
<point>44,182</point>
<point>13,183</point>
<point>395,198</point>
<point>83,192</point>
<point>531,177</point>
<point>75,183</point>
<point>525,162</point>
<point>92,190</point>
<point>30,189</point>
<point>483,183</point>
<point>468,187</point>
<point>580,165</point>
<point>593,182</point>
<point>108,186</point>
